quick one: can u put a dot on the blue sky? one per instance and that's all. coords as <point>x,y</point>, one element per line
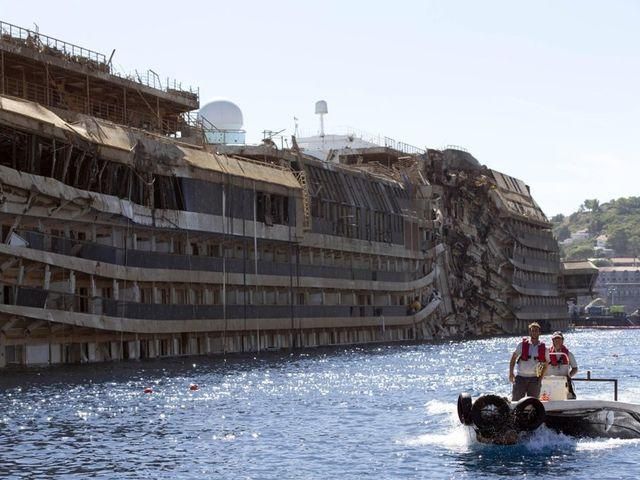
<point>546,91</point>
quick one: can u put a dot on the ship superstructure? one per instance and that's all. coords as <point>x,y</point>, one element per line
<point>126,235</point>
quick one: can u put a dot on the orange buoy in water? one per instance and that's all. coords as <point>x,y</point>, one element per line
<point>193,387</point>
<point>148,390</point>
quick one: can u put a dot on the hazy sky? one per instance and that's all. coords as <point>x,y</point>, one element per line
<point>546,91</point>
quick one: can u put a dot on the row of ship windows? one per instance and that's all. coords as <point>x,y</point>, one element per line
<point>81,297</point>
<point>237,250</point>
<point>531,301</point>
<point>619,276</point>
<point>541,233</point>
<point>520,252</point>
<point>535,278</point>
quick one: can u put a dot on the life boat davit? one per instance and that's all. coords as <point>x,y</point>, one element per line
<point>498,420</point>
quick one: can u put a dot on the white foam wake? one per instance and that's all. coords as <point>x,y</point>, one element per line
<point>437,407</point>
<point>605,444</point>
<point>456,439</point>
<point>546,439</point>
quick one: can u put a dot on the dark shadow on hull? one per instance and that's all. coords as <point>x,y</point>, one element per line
<point>598,423</point>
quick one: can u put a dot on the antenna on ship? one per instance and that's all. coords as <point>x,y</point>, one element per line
<point>321,109</point>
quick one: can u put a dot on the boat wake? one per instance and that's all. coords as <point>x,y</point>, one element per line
<point>546,439</point>
<point>445,429</point>
<point>457,439</point>
<point>605,444</point>
<point>436,407</point>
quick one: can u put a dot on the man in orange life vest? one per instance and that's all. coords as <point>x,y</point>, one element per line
<point>561,361</point>
<point>532,358</point>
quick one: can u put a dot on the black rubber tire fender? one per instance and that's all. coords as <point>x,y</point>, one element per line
<point>490,413</point>
<point>464,408</point>
<point>528,414</point>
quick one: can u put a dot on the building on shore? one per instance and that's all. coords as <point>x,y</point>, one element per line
<point>134,228</point>
<point>619,282</point>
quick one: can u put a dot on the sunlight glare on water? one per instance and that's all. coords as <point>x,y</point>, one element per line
<point>382,411</point>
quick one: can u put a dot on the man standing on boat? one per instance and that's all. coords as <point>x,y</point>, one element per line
<point>562,363</point>
<point>532,358</point>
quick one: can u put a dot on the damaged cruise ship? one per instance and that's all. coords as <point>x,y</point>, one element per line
<point>131,228</point>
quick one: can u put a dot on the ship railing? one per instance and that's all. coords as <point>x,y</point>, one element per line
<point>402,146</point>
<point>389,142</point>
<point>152,80</point>
<point>589,378</point>
<point>211,133</point>
<point>188,124</point>
<point>52,46</point>
<point>90,58</point>
<point>380,140</point>
<point>192,119</point>
<point>455,147</point>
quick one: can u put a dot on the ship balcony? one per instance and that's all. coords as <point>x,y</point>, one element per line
<point>55,300</point>
<point>161,260</point>
<point>535,264</point>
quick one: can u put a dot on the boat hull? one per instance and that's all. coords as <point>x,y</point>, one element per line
<point>594,418</point>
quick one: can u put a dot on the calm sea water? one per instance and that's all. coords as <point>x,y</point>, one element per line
<point>382,412</point>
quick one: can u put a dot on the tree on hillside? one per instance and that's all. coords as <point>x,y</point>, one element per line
<point>627,205</point>
<point>618,239</point>
<point>559,218</point>
<point>618,219</point>
<point>592,205</point>
<point>634,244</point>
<point>581,252</point>
<point>595,224</point>
<point>563,233</point>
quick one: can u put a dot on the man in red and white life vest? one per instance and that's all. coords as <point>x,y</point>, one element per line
<point>561,361</point>
<point>532,358</point>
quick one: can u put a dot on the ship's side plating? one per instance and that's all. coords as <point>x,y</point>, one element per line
<point>125,236</point>
<point>119,244</point>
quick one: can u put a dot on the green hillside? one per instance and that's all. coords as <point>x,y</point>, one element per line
<point>618,219</point>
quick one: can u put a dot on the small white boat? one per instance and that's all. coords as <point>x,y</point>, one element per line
<point>498,420</point>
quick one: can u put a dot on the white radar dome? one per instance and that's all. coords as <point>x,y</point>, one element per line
<point>223,114</point>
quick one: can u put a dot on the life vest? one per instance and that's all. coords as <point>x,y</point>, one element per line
<point>524,356</point>
<point>555,359</point>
